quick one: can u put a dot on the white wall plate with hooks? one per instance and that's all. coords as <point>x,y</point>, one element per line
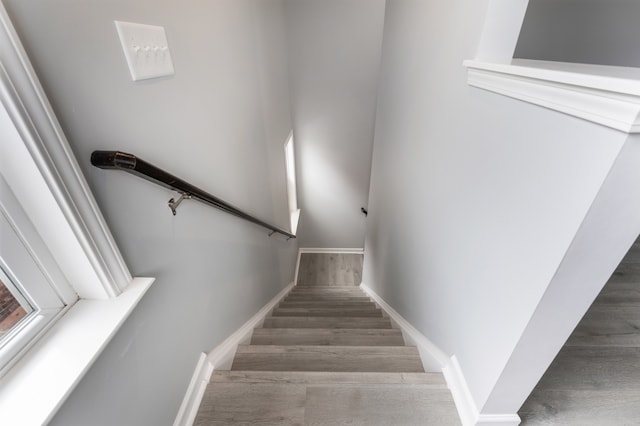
<point>146,50</point>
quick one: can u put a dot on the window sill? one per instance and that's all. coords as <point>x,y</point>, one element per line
<point>36,387</point>
<point>609,96</point>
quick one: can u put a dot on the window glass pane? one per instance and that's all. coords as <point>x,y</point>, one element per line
<point>13,306</point>
<point>290,169</point>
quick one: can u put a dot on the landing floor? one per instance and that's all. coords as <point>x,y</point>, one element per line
<point>595,379</point>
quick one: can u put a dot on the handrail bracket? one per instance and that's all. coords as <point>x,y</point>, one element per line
<point>173,204</point>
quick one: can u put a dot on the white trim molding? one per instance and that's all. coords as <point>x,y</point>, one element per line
<point>50,152</point>
<point>498,420</point>
<point>220,358</point>
<point>467,409</point>
<point>332,250</point>
<point>433,358</point>
<point>195,392</point>
<point>606,95</point>
<point>466,406</point>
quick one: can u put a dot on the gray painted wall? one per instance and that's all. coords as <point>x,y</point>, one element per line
<point>476,205</point>
<point>604,32</point>
<point>334,52</point>
<point>220,123</point>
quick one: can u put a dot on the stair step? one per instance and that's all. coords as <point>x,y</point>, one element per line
<point>327,292</point>
<point>325,322</point>
<point>329,298</point>
<point>325,404</point>
<point>327,336</point>
<point>326,285</point>
<point>249,404</point>
<point>397,359</point>
<point>338,297</point>
<point>434,380</point>
<point>328,312</point>
<point>326,303</point>
<point>327,289</point>
<point>379,405</point>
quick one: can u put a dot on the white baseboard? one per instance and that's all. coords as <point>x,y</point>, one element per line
<point>220,358</point>
<point>433,358</point>
<point>467,409</point>
<point>332,250</point>
<point>195,391</point>
<point>436,360</point>
<point>498,420</point>
<point>466,406</point>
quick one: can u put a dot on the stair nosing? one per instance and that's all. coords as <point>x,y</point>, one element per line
<point>429,379</point>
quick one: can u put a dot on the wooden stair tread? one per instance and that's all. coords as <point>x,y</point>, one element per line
<point>327,312</point>
<point>326,296</point>
<point>327,289</point>
<point>321,292</point>
<point>283,349</point>
<point>435,380</point>
<point>326,404</point>
<point>328,358</point>
<point>325,304</point>
<point>326,322</point>
<point>327,336</point>
<point>336,299</point>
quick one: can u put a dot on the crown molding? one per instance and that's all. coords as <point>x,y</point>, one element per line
<point>609,96</point>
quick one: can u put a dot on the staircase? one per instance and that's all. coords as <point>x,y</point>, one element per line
<point>327,356</point>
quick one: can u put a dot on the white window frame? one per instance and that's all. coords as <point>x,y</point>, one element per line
<point>58,202</point>
<point>28,267</point>
<point>290,168</point>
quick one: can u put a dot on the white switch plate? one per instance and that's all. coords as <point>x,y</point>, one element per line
<point>146,50</point>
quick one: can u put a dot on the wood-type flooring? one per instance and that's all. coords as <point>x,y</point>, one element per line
<point>327,355</point>
<point>595,379</point>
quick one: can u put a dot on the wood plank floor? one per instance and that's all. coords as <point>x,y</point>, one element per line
<point>595,379</point>
<point>330,269</point>
<point>327,355</point>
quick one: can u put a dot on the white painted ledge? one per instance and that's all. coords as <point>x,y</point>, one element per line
<point>35,388</point>
<point>609,96</point>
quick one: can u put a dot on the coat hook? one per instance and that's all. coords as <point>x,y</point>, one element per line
<point>173,205</point>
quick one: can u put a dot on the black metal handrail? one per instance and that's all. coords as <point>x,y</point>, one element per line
<point>134,165</point>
